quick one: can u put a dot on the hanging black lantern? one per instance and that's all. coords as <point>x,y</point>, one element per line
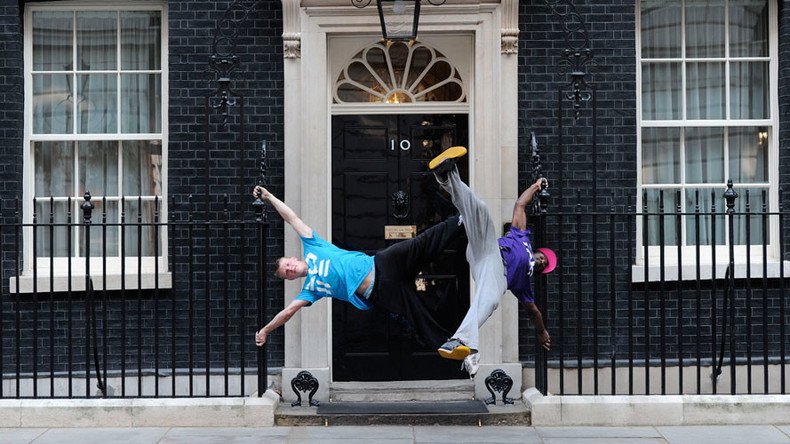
<point>399,18</point>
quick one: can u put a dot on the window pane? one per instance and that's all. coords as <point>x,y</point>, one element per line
<point>755,228</point>
<point>98,168</point>
<point>705,91</point>
<point>142,168</point>
<point>47,236</point>
<point>52,41</point>
<point>660,29</point>
<point>749,90</point>
<point>98,104</point>
<point>141,103</point>
<point>704,28</point>
<point>748,154</point>
<point>748,28</point>
<point>661,91</point>
<point>96,230</point>
<point>700,200</point>
<point>705,155</point>
<point>141,39</point>
<point>54,166</point>
<point>52,104</point>
<point>660,155</point>
<point>654,199</point>
<point>96,40</point>
<point>377,60</point>
<point>138,228</point>
<point>420,59</point>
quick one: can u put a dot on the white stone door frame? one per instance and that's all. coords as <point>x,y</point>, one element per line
<point>308,25</point>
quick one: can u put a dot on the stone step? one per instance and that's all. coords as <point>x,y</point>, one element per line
<point>515,414</point>
<point>392,391</point>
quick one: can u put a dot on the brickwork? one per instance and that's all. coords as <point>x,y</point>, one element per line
<point>591,181</point>
<point>141,323</point>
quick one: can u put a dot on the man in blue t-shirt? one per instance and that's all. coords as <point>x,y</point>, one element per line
<point>497,264</point>
<point>385,280</point>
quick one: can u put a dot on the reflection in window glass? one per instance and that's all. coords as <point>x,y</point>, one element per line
<point>749,90</point>
<point>662,97</point>
<point>98,167</point>
<point>141,38</point>
<point>660,155</point>
<point>53,104</point>
<point>748,28</point>
<point>705,90</point>
<point>704,155</point>
<point>660,29</point>
<point>704,28</point>
<point>748,148</point>
<point>97,107</point>
<point>96,40</point>
<point>52,46</point>
<point>54,173</point>
<point>705,80</point>
<point>141,99</point>
<point>95,74</point>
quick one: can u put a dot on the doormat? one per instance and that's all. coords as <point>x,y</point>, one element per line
<point>389,408</point>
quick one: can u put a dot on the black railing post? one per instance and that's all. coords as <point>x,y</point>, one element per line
<point>87,212</point>
<point>260,209</point>
<point>730,195</point>
<point>748,335</point>
<point>51,297</point>
<point>541,358</point>
<point>123,295</point>
<point>782,297</point>
<point>662,304</point>
<point>764,224</point>
<point>646,292</point>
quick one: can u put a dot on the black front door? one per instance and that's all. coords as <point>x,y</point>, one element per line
<point>373,159</point>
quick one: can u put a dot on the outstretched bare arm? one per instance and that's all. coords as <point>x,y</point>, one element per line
<point>281,318</point>
<point>520,209</point>
<point>540,328</point>
<point>284,211</point>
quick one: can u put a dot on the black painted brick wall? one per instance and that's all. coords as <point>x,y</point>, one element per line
<point>226,165</point>
<point>584,241</point>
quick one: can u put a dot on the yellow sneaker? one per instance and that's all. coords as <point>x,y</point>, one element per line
<point>454,349</point>
<point>453,152</point>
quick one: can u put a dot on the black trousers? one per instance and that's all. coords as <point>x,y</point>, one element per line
<point>396,270</point>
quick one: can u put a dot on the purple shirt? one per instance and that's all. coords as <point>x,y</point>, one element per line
<point>516,250</point>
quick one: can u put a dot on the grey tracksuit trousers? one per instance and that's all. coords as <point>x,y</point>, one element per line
<point>482,252</point>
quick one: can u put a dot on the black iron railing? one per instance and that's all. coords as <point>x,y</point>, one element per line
<point>132,305</point>
<point>662,312</point>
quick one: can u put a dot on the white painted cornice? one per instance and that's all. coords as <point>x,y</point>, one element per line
<point>510,27</point>
<point>292,33</point>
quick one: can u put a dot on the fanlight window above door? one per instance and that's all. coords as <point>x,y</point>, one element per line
<point>399,73</point>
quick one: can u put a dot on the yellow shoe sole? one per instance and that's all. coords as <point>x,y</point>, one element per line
<point>450,153</point>
<point>456,354</point>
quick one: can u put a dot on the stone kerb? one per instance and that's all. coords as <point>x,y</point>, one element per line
<point>179,412</point>
<point>656,409</point>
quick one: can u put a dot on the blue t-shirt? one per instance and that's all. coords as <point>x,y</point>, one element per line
<point>516,249</point>
<point>333,272</point>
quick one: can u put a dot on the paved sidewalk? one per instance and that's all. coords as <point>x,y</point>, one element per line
<point>404,435</point>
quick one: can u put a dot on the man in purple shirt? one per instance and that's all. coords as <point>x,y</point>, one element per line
<point>497,264</point>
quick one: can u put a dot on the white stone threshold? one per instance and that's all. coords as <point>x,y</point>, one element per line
<point>149,412</point>
<point>656,410</point>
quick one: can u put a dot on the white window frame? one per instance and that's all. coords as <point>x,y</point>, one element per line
<point>687,270</point>
<point>148,273</point>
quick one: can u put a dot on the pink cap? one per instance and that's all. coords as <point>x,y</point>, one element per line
<point>551,259</point>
